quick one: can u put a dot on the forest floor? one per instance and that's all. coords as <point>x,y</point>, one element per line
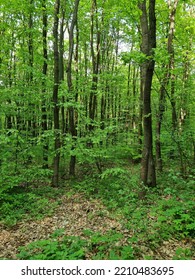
<point>72,216</point>
<point>100,216</point>
<point>75,214</point>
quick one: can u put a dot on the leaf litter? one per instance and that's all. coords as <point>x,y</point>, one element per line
<point>74,215</point>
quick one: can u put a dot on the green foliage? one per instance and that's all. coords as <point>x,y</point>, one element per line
<point>116,187</point>
<point>19,164</point>
<point>100,244</point>
<point>166,212</point>
<point>174,220</point>
<point>134,56</point>
<point>106,155</point>
<point>114,172</point>
<point>69,248</point>
<point>26,203</point>
<point>175,211</point>
<point>60,247</point>
<point>183,254</point>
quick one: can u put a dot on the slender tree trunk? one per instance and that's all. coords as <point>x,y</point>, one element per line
<point>143,48</point>
<point>95,53</point>
<point>134,91</point>
<point>31,121</point>
<point>61,63</point>
<point>30,42</point>
<point>11,67</point>
<point>56,160</point>
<point>173,6</point>
<point>164,84</point>
<point>71,111</point>
<point>148,28</point>
<point>44,71</point>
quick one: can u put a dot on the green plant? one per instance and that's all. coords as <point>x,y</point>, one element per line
<point>174,217</point>
<point>67,248</point>
<point>108,246</point>
<point>183,254</point>
<point>23,202</point>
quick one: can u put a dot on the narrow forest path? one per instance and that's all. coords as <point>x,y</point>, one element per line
<point>74,215</point>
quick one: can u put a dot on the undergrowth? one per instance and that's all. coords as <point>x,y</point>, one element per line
<point>95,246</point>
<point>27,203</point>
<point>164,213</point>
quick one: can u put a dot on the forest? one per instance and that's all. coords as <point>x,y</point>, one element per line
<point>97,130</point>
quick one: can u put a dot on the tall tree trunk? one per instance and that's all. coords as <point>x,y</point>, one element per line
<point>30,41</point>
<point>61,63</point>
<point>143,49</point>
<point>148,28</point>
<point>11,67</point>
<point>95,53</point>
<point>44,71</point>
<point>173,6</point>
<point>71,111</point>
<point>31,121</point>
<point>134,91</point>
<point>56,160</point>
<point>164,84</point>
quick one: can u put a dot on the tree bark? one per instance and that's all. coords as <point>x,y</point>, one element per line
<point>148,29</point>
<point>44,72</point>
<point>56,160</point>
<point>164,84</point>
<point>32,117</point>
<point>61,64</point>
<point>95,64</point>
<point>173,6</point>
<point>71,111</point>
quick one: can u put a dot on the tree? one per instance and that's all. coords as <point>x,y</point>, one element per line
<point>89,56</point>
<point>148,30</point>
<point>168,75</point>
<point>56,160</point>
<point>71,111</point>
<point>44,89</point>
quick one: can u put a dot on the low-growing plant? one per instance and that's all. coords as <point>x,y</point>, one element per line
<point>108,246</point>
<point>174,217</point>
<point>60,247</point>
<point>67,248</point>
<point>22,202</point>
<point>182,254</point>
